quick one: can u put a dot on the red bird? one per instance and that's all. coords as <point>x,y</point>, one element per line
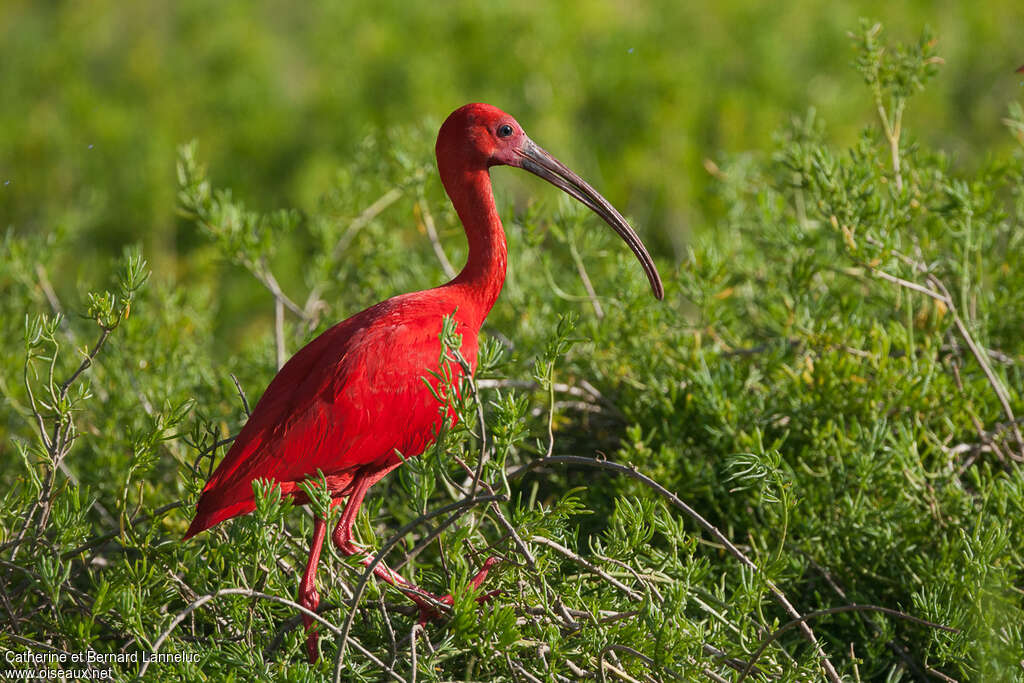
<point>353,399</point>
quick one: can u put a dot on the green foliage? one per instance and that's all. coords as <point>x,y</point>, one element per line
<point>834,383</point>
<point>97,98</point>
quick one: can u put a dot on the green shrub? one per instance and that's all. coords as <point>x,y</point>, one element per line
<point>833,383</point>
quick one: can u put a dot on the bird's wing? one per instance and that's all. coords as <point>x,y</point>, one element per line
<point>348,400</point>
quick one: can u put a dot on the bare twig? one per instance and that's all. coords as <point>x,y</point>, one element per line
<point>937,290</point>
<point>837,610</point>
<point>910,285</point>
<point>780,597</point>
<point>58,443</point>
<point>554,545</point>
<point>279,345</point>
<point>896,647</point>
<point>614,647</point>
<point>12,617</point>
<point>583,389</point>
<point>945,677</point>
<point>360,221</point>
<point>86,362</point>
<point>587,285</point>
<point>241,395</point>
<point>649,584</point>
<point>979,355</point>
<point>518,670</point>
<point>892,134</point>
<point>416,628</point>
<point>199,602</point>
<point>987,440</point>
<point>713,676</point>
<point>51,298</point>
<point>428,224</point>
<point>262,273</point>
<point>209,450</point>
<point>379,557</point>
<point>386,617</point>
<point>40,423</point>
<point>467,374</point>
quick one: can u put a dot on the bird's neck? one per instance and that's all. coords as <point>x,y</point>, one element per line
<point>484,273</point>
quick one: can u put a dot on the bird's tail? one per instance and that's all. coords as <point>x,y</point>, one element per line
<point>210,512</point>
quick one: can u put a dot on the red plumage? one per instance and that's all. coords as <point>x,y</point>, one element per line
<point>349,401</point>
<point>353,402</point>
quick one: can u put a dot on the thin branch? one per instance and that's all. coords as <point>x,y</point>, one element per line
<point>892,132</point>
<point>613,647</point>
<point>360,221</point>
<point>51,298</point>
<point>40,423</point>
<point>979,428</point>
<point>649,584</point>
<point>379,557</point>
<point>979,355</point>
<point>837,610</point>
<point>416,628</point>
<point>199,602</point>
<point>86,362</point>
<point>713,676</point>
<point>896,647</point>
<point>540,540</point>
<point>279,345</point>
<point>938,291</point>
<point>467,373</point>
<point>241,395</point>
<point>263,274</point>
<point>518,670</point>
<point>587,285</point>
<point>780,597</point>
<point>12,617</point>
<point>583,390</point>
<point>59,441</point>
<point>209,450</point>
<point>949,679</point>
<point>987,440</point>
<point>428,224</point>
<point>938,296</point>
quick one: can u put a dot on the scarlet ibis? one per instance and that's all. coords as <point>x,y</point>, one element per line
<point>353,399</point>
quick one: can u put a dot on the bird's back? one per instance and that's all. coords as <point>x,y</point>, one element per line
<point>350,400</point>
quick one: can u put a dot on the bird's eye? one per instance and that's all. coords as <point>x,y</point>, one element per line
<point>504,130</point>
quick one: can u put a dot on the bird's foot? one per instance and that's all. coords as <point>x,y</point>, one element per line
<point>429,612</point>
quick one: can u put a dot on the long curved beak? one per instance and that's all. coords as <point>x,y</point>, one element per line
<point>535,160</point>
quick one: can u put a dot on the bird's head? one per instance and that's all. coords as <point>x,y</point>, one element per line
<point>481,136</point>
<point>477,136</point>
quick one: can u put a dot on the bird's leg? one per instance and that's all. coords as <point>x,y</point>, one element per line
<point>308,597</point>
<point>342,538</point>
<point>429,612</point>
<point>342,535</point>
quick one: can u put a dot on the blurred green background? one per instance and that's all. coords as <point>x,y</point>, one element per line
<point>97,95</point>
<point>778,349</point>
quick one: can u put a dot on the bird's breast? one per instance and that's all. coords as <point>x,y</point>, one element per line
<point>396,388</point>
